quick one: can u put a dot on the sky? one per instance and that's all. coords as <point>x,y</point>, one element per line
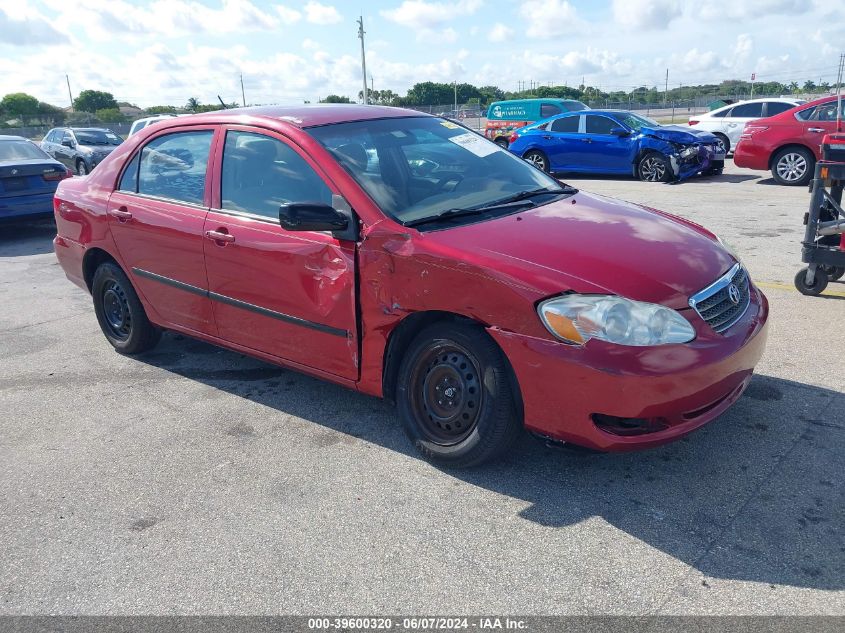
<point>154,52</point>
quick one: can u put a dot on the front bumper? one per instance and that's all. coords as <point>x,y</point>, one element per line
<point>686,386</point>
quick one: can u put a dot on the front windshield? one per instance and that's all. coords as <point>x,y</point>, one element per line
<point>97,137</point>
<point>419,167</point>
<point>20,150</point>
<point>636,121</point>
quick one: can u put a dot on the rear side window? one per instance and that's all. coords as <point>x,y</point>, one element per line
<point>173,166</point>
<point>260,174</point>
<point>600,124</point>
<point>129,179</point>
<point>549,109</point>
<point>776,107</point>
<point>746,110</point>
<point>721,113</point>
<point>566,124</point>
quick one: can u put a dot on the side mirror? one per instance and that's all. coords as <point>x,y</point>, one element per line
<point>68,143</point>
<point>305,216</point>
<point>620,131</point>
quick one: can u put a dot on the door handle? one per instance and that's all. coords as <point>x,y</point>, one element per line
<point>586,140</point>
<point>220,236</point>
<point>548,137</point>
<point>122,214</point>
<point>815,129</point>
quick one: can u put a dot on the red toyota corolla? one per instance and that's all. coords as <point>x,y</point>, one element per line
<point>401,255</point>
<point>788,143</point>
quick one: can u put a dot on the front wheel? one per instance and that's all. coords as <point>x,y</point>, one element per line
<point>454,396</point>
<point>120,313</point>
<point>81,168</point>
<point>817,287</point>
<point>793,166</point>
<point>538,159</point>
<point>654,167</point>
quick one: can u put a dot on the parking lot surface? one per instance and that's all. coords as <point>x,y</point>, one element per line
<point>197,480</point>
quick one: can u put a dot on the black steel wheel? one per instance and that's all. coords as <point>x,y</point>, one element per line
<point>654,167</point>
<point>455,395</point>
<point>538,159</point>
<point>834,273</point>
<point>818,285</point>
<point>120,313</point>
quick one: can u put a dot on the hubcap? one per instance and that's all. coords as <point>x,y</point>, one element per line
<point>116,311</point>
<point>82,169</point>
<point>720,143</point>
<point>537,160</point>
<point>446,394</point>
<point>792,167</point>
<point>652,170</point>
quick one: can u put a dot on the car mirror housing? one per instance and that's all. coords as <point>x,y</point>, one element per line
<point>620,131</point>
<point>311,216</point>
<point>68,144</point>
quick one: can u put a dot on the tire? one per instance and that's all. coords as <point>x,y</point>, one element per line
<point>501,141</point>
<point>834,273</point>
<point>726,142</point>
<point>716,168</point>
<point>538,159</point>
<point>793,166</point>
<point>477,418</point>
<point>82,168</point>
<point>654,167</point>
<point>120,313</point>
<point>819,282</point>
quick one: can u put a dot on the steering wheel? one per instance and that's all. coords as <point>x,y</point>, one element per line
<point>449,182</point>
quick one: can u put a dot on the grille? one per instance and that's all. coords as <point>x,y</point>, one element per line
<point>714,304</point>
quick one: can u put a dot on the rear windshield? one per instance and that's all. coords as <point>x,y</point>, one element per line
<point>20,150</point>
<point>97,137</point>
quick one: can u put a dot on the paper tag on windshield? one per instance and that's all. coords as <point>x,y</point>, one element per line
<point>475,144</point>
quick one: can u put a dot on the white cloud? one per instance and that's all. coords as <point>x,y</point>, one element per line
<point>287,15</point>
<point>550,18</point>
<point>419,14</point>
<point>500,33</point>
<point>646,14</point>
<point>317,13</point>
<point>25,28</point>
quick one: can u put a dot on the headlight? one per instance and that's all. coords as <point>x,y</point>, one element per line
<point>578,318</point>
<point>689,151</point>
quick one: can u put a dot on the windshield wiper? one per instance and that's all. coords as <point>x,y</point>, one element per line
<point>442,215</point>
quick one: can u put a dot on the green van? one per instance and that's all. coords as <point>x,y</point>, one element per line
<point>503,117</point>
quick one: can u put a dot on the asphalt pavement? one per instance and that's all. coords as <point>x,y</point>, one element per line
<point>196,480</point>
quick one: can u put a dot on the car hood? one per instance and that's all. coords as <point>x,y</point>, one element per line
<point>99,149</point>
<point>679,134</point>
<point>593,244</point>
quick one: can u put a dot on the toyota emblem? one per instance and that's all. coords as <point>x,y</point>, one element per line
<point>733,294</point>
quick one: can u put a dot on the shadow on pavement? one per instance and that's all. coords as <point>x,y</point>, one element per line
<point>31,238</point>
<point>757,495</point>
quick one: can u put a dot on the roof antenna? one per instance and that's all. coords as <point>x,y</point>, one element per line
<point>225,107</point>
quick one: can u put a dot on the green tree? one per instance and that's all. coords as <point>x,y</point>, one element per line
<point>809,86</point>
<point>19,104</point>
<point>93,100</point>
<point>110,115</point>
<point>50,114</point>
<point>162,109</point>
<point>335,99</point>
<point>192,105</point>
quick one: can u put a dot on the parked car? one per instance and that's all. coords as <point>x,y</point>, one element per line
<point>482,296</point>
<point>140,124</point>
<point>28,179</point>
<point>728,122</point>
<point>788,144</point>
<point>80,148</point>
<point>618,142</point>
<point>503,117</point>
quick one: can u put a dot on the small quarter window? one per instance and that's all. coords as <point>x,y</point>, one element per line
<point>129,180</point>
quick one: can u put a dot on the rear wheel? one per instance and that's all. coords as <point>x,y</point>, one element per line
<point>793,166</point>
<point>816,288</point>
<point>120,313</point>
<point>538,159</point>
<point>501,141</point>
<point>454,396</point>
<point>724,142</point>
<point>654,167</point>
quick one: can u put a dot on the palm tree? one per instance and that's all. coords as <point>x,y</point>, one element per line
<point>193,104</point>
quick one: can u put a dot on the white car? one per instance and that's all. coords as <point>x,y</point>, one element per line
<point>728,122</point>
<point>140,124</point>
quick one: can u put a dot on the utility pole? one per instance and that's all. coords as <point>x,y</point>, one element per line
<point>666,89</point>
<point>839,92</point>
<point>70,96</point>
<point>456,96</point>
<point>243,94</point>
<point>363,57</point>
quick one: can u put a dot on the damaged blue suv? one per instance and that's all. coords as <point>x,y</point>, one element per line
<point>618,142</point>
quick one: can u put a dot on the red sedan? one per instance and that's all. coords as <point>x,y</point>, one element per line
<point>788,144</point>
<point>401,255</point>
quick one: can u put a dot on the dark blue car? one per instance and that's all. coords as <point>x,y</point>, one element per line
<point>618,142</point>
<point>28,179</point>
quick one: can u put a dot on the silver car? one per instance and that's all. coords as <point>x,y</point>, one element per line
<point>728,122</point>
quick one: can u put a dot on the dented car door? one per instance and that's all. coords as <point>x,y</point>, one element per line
<point>291,295</point>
